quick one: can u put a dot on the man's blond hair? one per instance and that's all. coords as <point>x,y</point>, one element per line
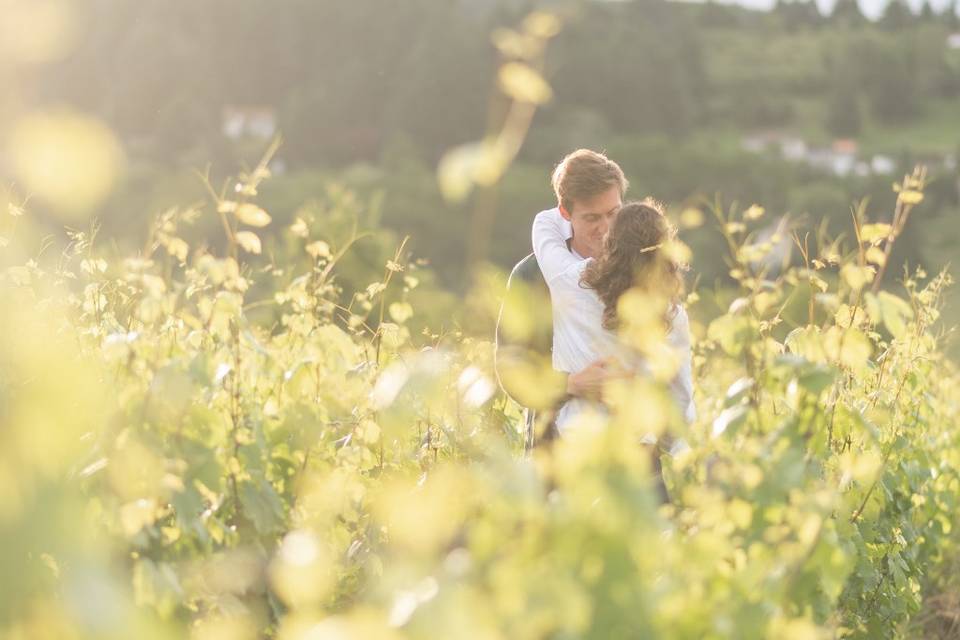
<point>585,174</point>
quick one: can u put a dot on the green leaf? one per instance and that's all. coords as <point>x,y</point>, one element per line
<point>849,347</point>
<point>731,332</point>
<point>817,378</point>
<point>262,505</point>
<point>188,505</point>
<point>894,312</point>
<point>807,342</point>
<point>156,585</point>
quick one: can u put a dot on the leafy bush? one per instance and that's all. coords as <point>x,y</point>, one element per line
<point>181,456</point>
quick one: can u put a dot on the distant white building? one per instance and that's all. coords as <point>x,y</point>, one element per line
<point>953,41</point>
<point>842,165</point>
<point>840,159</point>
<point>245,121</point>
<point>790,147</point>
<point>883,165</point>
<point>793,149</point>
<point>754,143</point>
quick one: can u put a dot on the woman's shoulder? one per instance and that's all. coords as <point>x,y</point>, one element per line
<point>680,315</point>
<point>679,324</point>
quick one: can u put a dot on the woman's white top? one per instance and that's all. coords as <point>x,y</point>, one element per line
<point>578,334</point>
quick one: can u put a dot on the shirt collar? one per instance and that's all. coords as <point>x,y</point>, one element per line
<point>574,251</point>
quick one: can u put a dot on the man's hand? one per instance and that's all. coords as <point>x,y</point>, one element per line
<point>588,382</point>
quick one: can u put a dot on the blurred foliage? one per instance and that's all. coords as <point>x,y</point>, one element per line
<point>261,416</point>
<point>218,444</point>
<point>372,97</point>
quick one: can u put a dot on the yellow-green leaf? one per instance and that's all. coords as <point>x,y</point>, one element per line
<point>874,233</point>
<point>249,241</point>
<point>736,227</point>
<point>852,348</point>
<point>691,218</point>
<point>476,163</point>
<point>523,83</point>
<point>910,196</point>
<point>819,283</point>
<point>677,251</point>
<point>876,256</point>
<point>856,277</point>
<point>542,24</point>
<point>178,248</point>
<point>515,45</point>
<point>400,312</point>
<point>299,228</point>
<point>318,249</point>
<point>251,214</point>
<point>892,310</point>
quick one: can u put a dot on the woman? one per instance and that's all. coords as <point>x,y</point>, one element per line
<point>585,293</point>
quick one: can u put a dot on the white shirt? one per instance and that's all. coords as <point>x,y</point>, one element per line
<point>578,334</point>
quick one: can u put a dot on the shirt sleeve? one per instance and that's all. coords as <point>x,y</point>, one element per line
<point>550,234</point>
<point>682,384</point>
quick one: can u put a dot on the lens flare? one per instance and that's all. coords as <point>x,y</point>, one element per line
<point>68,160</point>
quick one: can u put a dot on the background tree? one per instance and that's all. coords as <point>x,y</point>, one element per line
<point>848,13</point>
<point>798,14</point>
<point>843,106</point>
<point>896,15</point>
<point>893,82</point>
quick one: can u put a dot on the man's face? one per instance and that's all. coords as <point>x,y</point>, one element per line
<point>591,220</point>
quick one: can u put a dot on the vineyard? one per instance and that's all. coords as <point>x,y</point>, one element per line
<point>204,441</point>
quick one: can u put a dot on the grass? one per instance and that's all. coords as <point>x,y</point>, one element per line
<point>934,131</point>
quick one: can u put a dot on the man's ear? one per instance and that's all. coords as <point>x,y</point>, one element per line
<point>564,212</point>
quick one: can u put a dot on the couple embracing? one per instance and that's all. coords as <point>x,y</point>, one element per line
<point>588,251</point>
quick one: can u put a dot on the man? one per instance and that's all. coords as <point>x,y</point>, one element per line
<point>589,188</point>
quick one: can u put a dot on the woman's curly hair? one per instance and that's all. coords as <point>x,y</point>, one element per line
<point>633,256</point>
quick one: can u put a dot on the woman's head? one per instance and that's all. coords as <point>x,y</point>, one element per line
<point>634,256</point>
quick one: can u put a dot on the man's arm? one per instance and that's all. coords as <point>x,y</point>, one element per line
<point>522,352</point>
<point>519,360</point>
<point>589,381</point>
<point>549,235</point>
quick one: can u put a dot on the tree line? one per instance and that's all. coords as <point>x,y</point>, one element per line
<point>347,79</point>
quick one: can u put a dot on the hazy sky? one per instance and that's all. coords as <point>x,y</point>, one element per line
<point>871,8</point>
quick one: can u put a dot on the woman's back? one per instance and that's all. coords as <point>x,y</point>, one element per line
<point>579,337</point>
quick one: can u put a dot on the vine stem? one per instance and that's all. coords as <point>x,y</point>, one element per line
<point>886,458</point>
<point>387,276</point>
<point>235,415</point>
